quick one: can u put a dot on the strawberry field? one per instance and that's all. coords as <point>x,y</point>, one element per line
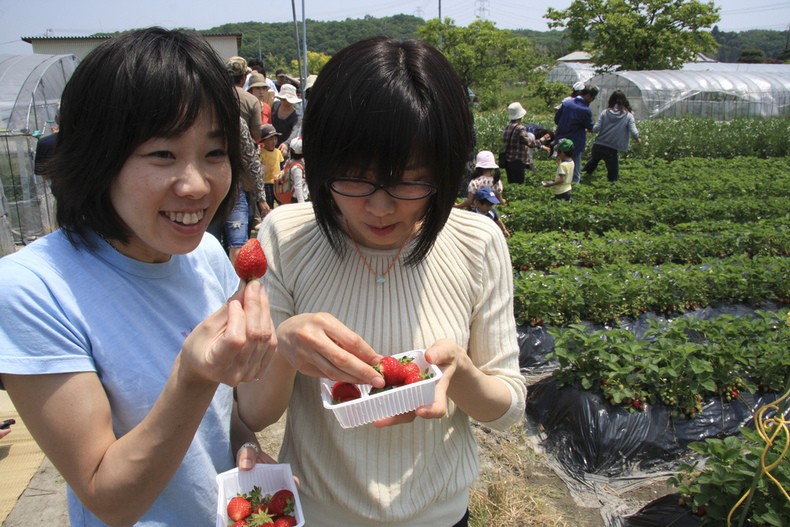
<point>659,306</point>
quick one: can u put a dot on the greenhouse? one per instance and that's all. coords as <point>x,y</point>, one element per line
<point>721,94</point>
<point>571,72</point>
<point>30,90</point>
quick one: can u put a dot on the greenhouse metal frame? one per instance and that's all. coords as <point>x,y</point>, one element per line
<point>30,90</point>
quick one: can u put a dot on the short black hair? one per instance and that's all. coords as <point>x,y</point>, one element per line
<point>384,102</point>
<point>143,84</point>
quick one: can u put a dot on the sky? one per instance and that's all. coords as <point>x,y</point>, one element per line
<point>21,18</point>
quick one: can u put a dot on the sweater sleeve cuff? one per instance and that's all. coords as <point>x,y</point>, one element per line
<point>514,414</point>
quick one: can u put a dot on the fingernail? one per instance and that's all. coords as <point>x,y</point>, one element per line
<point>246,463</point>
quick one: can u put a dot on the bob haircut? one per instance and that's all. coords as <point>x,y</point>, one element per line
<point>144,84</point>
<point>385,104</point>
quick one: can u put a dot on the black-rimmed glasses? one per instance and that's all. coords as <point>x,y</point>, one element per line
<point>360,188</point>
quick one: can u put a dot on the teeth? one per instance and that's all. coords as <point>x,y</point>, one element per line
<point>186,218</point>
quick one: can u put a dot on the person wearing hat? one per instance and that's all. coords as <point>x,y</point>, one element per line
<point>272,160</point>
<point>285,118</point>
<point>563,180</point>
<point>256,85</point>
<point>485,203</point>
<point>249,105</point>
<point>486,175</point>
<point>574,120</point>
<point>257,66</point>
<point>519,143</point>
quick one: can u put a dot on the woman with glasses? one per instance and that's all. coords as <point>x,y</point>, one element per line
<point>380,262</point>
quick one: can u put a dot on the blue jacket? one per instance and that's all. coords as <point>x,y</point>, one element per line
<point>574,120</point>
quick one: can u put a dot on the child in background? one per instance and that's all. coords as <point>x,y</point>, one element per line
<point>292,177</point>
<point>563,181</point>
<point>485,203</point>
<point>272,160</point>
<point>486,175</point>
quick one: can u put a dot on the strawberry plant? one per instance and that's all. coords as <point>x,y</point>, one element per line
<point>678,364</point>
<point>745,478</point>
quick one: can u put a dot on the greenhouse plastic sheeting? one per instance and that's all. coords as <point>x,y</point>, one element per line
<point>719,95</point>
<point>30,90</point>
<point>588,434</point>
<point>571,72</point>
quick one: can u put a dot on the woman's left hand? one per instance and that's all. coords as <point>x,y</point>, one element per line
<point>448,357</point>
<point>250,455</point>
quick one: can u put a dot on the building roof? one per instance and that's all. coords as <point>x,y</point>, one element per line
<point>106,36</point>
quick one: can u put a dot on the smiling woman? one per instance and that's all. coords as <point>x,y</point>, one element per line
<point>119,345</point>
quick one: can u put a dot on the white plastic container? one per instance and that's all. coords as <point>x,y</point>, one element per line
<point>388,403</point>
<point>270,478</point>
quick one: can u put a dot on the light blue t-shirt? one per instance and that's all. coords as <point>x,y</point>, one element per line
<point>66,309</point>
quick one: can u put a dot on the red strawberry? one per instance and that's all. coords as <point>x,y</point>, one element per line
<point>345,391</point>
<point>285,521</point>
<point>240,523</point>
<point>392,371</point>
<point>251,261</point>
<point>412,377</point>
<point>410,368</point>
<point>281,503</point>
<point>239,508</point>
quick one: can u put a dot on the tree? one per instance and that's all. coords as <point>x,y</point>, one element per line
<point>752,56</point>
<point>639,34</point>
<point>483,56</point>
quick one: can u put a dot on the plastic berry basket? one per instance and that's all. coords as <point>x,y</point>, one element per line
<point>270,478</point>
<point>388,403</point>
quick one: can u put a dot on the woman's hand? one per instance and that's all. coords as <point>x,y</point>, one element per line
<point>319,345</point>
<point>447,356</point>
<point>234,344</point>
<point>250,454</point>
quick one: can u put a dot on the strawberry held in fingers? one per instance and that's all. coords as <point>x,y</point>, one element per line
<point>251,261</point>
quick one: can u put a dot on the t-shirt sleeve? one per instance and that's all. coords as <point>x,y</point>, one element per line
<point>39,332</point>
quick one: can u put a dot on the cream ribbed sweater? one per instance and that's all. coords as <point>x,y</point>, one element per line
<point>414,474</point>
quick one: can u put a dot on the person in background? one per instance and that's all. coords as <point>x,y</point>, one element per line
<point>574,120</point>
<point>562,184</point>
<point>124,332</point>
<point>258,87</point>
<point>249,105</point>
<point>486,175</point>
<point>518,144</point>
<point>285,117</point>
<point>257,66</point>
<point>615,126</point>
<point>284,79</point>
<point>380,262</point>
<point>294,169</point>
<point>45,147</point>
<point>272,161</point>
<point>485,203</point>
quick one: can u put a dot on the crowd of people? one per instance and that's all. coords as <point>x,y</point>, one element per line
<point>573,120</point>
